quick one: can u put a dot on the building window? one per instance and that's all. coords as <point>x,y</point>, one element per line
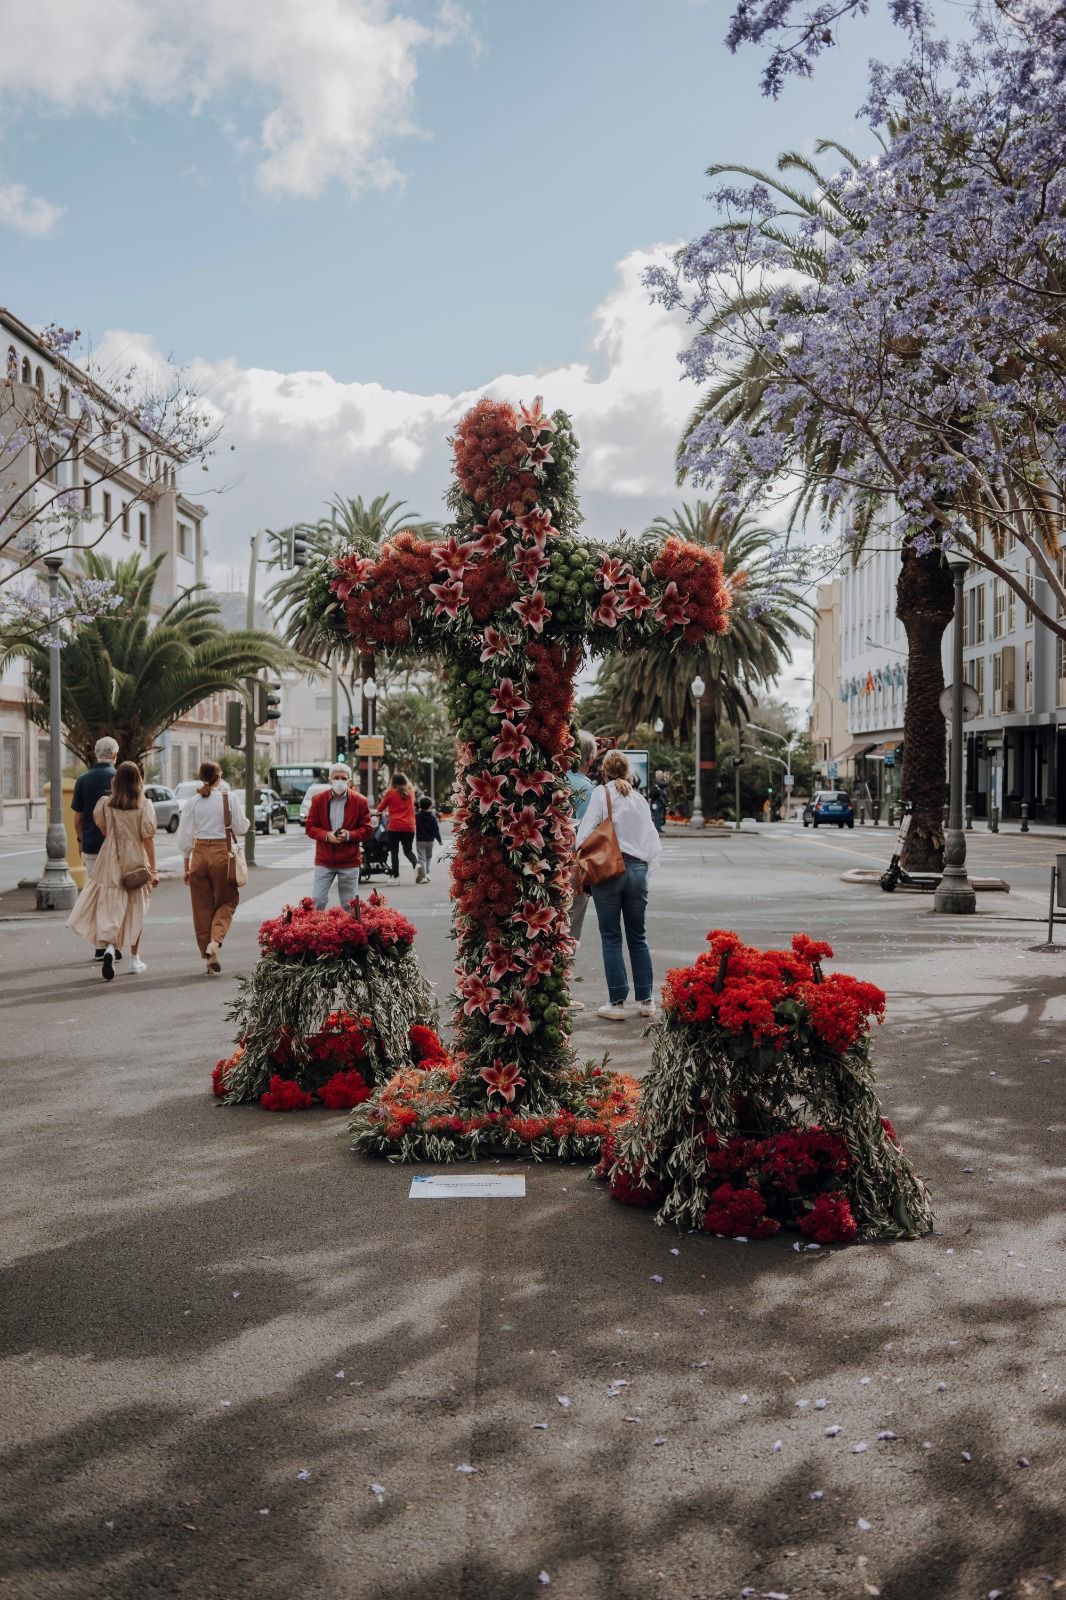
<point>184,540</point>
<point>193,754</point>
<point>142,528</point>
<point>999,608</point>
<point>12,364</point>
<point>107,509</point>
<point>87,497</point>
<point>175,763</point>
<point>12,766</point>
<point>1011,615</point>
<point>975,677</point>
<point>126,518</point>
<point>47,467</point>
<point>967,608</point>
<point>40,381</point>
<point>1003,680</point>
<point>144,464</point>
<point>1029,675</point>
<point>978,635</point>
<point>27,371</point>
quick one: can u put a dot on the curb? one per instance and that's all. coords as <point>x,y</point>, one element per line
<point>870,875</point>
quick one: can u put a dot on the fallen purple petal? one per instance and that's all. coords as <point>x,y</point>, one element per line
<point>832,1432</point>
<point>863,1526</point>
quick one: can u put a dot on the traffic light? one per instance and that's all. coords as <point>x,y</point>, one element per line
<point>267,703</point>
<point>342,747</point>
<point>299,549</point>
<point>234,731</point>
<point>769,788</point>
<point>353,739</point>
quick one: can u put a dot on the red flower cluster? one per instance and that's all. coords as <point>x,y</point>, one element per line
<point>743,992</point>
<point>380,601</point>
<point>632,1187</point>
<point>489,588</point>
<point>551,690</point>
<point>344,1090</point>
<point>488,459</point>
<point>791,1162</point>
<point>285,1094</point>
<point>341,1043</point>
<point>739,1213</point>
<point>301,933</point>
<point>484,886</point>
<point>830,1221</point>
<point>700,603</point>
<point>426,1047</point>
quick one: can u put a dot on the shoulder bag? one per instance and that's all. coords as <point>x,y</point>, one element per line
<point>237,866</point>
<point>134,868</point>
<point>599,858</point>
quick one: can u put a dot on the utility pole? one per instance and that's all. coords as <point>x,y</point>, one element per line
<point>249,717</point>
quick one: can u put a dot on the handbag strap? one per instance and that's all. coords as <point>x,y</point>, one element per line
<point>607,797</point>
<point>226,820</point>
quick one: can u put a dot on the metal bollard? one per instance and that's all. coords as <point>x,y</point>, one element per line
<point>892,816</point>
<point>993,819</point>
<point>969,819</point>
<point>1025,817</point>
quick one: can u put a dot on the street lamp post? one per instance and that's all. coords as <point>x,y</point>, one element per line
<point>370,694</point>
<point>786,740</point>
<point>955,892</point>
<point>56,890</point>
<point>696,820</point>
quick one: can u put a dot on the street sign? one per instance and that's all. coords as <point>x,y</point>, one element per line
<point>443,1186</point>
<point>890,759</point>
<point>790,778</point>
<point>832,773</point>
<point>372,744</point>
<point>971,703</point>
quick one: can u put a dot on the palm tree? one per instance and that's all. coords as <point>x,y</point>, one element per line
<point>734,665</point>
<point>923,590</point>
<point>133,672</point>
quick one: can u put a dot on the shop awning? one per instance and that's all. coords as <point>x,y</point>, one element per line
<point>889,748</point>
<point>860,748</point>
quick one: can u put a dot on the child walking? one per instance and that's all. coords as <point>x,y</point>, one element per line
<point>427,831</point>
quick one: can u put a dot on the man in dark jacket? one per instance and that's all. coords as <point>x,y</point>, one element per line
<point>90,788</point>
<point>338,820</point>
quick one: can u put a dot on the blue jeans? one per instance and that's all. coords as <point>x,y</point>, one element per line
<point>347,884</point>
<point>624,900</point>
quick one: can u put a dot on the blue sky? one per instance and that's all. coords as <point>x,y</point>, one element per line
<point>350,217</point>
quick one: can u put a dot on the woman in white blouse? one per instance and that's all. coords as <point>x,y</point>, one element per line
<point>203,841</point>
<point>622,901</point>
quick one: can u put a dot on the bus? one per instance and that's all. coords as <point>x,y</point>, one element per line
<point>293,781</point>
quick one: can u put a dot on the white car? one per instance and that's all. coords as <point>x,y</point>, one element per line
<point>189,786</point>
<point>309,795</point>
<point>167,805</point>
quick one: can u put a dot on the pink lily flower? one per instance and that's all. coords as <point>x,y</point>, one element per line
<point>513,1016</point>
<point>502,1079</point>
<point>528,563</point>
<point>495,643</point>
<point>535,417</point>
<point>512,743</point>
<point>537,918</point>
<point>477,995</point>
<point>606,613</point>
<point>533,611</point>
<point>506,700</point>
<point>671,612</point>
<point>491,534</point>
<point>536,525</point>
<point>486,790</point>
<point>501,961</point>
<point>530,782</point>
<point>636,599</point>
<point>523,827</point>
<point>449,597</point>
<point>611,571</point>
<point>451,556</point>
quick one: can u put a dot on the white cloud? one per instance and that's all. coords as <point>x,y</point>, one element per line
<point>25,212</point>
<point>337,76</point>
<point>300,437</point>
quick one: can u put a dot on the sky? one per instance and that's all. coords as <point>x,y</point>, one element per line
<point>349,218</point>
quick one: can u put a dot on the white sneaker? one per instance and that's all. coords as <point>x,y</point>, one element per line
<point>420,873</point>
<point>137,965</point>
<point>612,1013</point>
<point>576,1005</point>
<point>108,968</point>
<point>646,1008</point>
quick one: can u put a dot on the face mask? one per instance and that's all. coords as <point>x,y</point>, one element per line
<point>339,787</point>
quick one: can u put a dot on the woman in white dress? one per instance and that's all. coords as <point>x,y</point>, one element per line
<point>107,914</point>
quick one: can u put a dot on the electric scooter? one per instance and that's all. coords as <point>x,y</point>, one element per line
<point>895,873</point>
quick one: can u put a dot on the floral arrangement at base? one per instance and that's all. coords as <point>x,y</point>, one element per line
<point>419,1115</point>
<point>337,1004</point>
<point>759,1111</point>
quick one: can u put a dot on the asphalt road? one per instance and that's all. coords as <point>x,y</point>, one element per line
<point>237,1361</point>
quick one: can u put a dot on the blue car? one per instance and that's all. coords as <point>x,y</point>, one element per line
<point>829,805</point>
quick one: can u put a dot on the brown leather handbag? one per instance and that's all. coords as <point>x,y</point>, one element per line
<point>599,858</point>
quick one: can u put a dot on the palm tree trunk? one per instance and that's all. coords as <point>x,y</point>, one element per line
<point>709,749</point>
<point>924,605</point>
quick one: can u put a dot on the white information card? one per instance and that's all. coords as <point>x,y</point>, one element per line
<point>479,1186</point>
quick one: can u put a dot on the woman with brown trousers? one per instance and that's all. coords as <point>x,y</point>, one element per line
<point>210,823</point>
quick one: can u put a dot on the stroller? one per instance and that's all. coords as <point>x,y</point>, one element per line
<point>375,854</point>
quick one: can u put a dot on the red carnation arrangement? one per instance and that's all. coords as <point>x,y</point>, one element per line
<point>489,453</point>
<point>301,933</point>
<point>696,599</point>
<point>382,595</point>
<point>285,1094</point>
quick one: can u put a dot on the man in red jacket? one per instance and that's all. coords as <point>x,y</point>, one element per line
<point>338,820</point>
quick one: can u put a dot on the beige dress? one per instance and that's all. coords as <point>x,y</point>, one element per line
<point>106,913</point>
